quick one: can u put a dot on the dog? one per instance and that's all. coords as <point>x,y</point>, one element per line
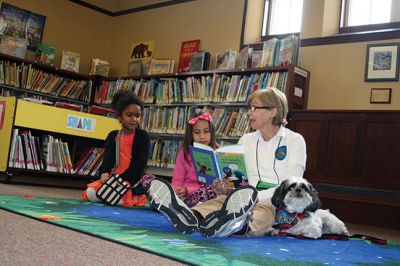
<point>298,211</point>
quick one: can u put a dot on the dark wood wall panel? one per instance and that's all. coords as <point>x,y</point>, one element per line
<point>341,150</point>
<point>381,159</point>
<point>353,157</point>
<point>311,131</point>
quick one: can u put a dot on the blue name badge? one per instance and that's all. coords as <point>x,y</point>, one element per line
<point>280,153</point>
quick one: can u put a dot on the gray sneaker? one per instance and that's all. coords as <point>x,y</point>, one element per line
<point>163,198</point>
<point>233,215</point>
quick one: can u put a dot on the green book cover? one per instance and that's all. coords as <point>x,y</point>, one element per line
<point>227,163</point>
<point>45,54</point>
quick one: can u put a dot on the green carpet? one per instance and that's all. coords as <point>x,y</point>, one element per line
<point>150,231</point>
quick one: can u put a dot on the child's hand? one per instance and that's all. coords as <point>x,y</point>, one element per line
<point>104,177</point>
<point>181,191</point>
<point>220,187</point>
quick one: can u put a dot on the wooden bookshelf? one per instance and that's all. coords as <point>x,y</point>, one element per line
<point>293,80</point>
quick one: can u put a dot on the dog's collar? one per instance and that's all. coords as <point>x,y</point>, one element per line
<point>286,220</point>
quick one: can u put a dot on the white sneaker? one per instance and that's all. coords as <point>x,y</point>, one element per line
<point>233,215</point>
<point>163,198</point>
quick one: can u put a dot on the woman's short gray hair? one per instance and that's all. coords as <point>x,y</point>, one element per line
<point>273,98</point>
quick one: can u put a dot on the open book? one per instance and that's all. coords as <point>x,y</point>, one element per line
<point>226,162</point>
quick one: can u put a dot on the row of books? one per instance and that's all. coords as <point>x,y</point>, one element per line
<point>28,77</point>
<point>25,151</point>
<point>172,120</point>
<point>230,123</point>
<point>89,162</point>
<point>28,153</point>
<point>280,52</point>
<point>163,153</point>
<point>52,155</point>
<point>204,89</point>
<point>275,53</point>
<point>165,120</point>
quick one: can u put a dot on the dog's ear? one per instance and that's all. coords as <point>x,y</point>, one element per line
<point>316,203</point>
<point>279,195</point>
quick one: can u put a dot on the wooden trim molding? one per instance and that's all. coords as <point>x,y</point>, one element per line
<point>93,7</point>
<point>354,37</point>
<point>131,10</point>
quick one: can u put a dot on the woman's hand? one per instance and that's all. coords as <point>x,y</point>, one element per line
<point>181,191</point>
<point>104,177</point>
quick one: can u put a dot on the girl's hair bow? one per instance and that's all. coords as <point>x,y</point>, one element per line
<point>204,116</point>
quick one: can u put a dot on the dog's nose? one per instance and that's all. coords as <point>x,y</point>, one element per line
<point>298,190</point>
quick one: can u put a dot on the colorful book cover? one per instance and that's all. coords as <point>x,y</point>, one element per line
<point>226,163</point>
<point>225,60</point>
<point>70,61</point>
<point>13,46</point>
<point>185,58</point>
<point>286,50</point>
<point>161,66</point>
<point>45,54</point>
<point>269,53</point>
<point>142,50</point>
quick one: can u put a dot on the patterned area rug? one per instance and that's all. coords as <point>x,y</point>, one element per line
<point>148,230</point>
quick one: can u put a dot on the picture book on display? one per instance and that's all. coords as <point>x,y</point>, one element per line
<point>99,67</point>
<point>269,53</point>
<point>200,61</point>
<point>226,163</point>
<point>70,61</point>
<point>185,58</point>
<point>13,46</point>
<point>134,67</point>
<point>45,54</point>
<point>245,57</point>
<point>161,66</point>
<point>142,50</point>
<point>225,60</point>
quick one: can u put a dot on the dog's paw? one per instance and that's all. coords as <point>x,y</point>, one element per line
<point>272,232</point>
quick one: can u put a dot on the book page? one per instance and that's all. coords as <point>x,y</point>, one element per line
<point>233,165</point>
<point>205,162</point>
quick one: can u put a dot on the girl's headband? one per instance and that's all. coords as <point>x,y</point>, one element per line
<point>204,116</point>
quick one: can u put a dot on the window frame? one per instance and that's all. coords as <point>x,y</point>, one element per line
<point>267,37</point>
<point>362,28</point>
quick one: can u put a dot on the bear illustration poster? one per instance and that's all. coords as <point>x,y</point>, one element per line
<point>142,50</point>
<point>185,58</point>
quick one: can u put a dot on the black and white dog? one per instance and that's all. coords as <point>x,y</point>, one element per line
<point>298,211</point>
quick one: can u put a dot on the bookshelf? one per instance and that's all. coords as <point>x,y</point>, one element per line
<point>26,78</point>
<point>169,100</point>
<point>27,125</point>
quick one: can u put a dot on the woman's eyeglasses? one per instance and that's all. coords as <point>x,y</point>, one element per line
<point>253,108</point>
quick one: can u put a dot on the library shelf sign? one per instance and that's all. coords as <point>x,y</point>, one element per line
<point>382,62</point>
<point>81,123</point>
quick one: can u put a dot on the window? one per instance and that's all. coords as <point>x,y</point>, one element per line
<point>282,17</point>
<point>368,15</point>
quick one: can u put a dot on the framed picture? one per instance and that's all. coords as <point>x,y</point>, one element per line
<point>381,95</point>
<point>21,23</point>
<point>382,62</point>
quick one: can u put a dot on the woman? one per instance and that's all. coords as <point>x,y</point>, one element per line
<point>273,153</point>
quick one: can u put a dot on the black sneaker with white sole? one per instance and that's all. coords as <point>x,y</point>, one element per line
<point>163,198</point>
<point>233,215</point>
